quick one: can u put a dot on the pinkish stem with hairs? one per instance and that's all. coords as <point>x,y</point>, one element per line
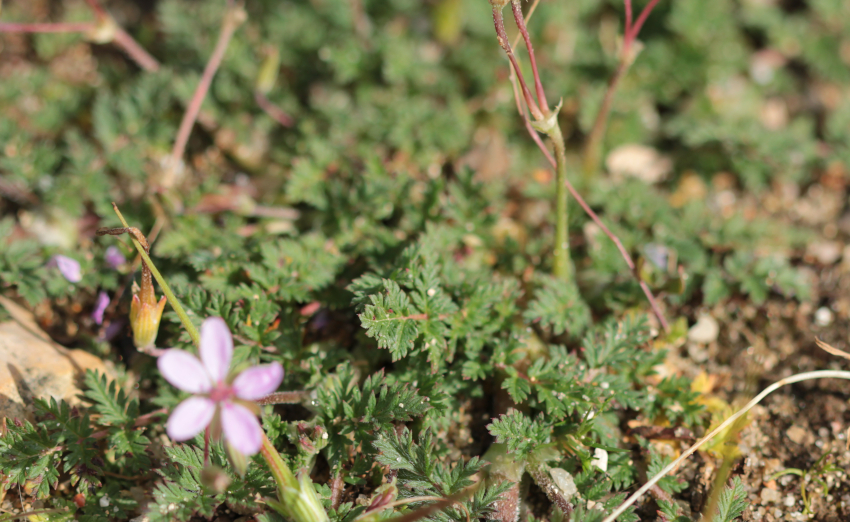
<point>233,18</point>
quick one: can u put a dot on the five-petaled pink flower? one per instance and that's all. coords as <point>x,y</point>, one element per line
<point>225,401</point>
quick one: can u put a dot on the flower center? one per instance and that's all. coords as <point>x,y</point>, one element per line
<point>222,392</point>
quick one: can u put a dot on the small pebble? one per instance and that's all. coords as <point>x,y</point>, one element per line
<point>789,501</point>
<point>564,481</point>
<point>796,434</point>
<point>770,495</point>
<point>705,330</point>
<point>823,316</point>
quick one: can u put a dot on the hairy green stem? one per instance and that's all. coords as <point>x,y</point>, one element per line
<point>563,264</point>
<point>280,471</point>
<point>175,304</point>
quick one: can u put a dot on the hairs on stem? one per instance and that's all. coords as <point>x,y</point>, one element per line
<point>233,18</point>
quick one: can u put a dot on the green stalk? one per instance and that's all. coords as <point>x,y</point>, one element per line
<point>563,264</point>
<point>181,313</point>
<point>280,471</point>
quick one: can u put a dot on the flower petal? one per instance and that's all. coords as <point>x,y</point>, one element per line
<point>70,268</point>
<point>258,381</point>
<point>216,347</point>
<point>241,428</point>
<point>114,257</point>
<point>184,371</point>
<point>189,418</point>
<point>100,307</point>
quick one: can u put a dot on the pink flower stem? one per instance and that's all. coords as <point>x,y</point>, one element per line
<point>280,471</point>
<point>275,112</point>
<point>291,397</point>
<point>233,18</point>
<point>80,27</point>
<point>504,42</point>
<point>135,51</point>
<point>98,9</point>
<point>516,7</point>
<point>594,217</point>
<point>593,145</point>
<point>635,29</point>
<point>206,446</point>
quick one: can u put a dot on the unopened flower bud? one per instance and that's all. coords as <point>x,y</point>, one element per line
<point>307,446</point>
<point>215,479</point>
<point>237,459</point>
<point>145,313</point>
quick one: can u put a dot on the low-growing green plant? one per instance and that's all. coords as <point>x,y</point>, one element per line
<point>346,187</point>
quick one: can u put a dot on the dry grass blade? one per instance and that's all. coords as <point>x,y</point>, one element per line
<point>831,349</point>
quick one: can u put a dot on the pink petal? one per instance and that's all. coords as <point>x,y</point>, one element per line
<point>258,381</point>
<point>184,371</point>
<point>241,428</point>
<point>100,307</point>
<point>70,268</point>
<point>114,257</point>
<point>216,347</point>
<point>189,418</point>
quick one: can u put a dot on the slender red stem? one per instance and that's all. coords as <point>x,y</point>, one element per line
<point>135,51</point>
<point>628,16</point>
<point>207,446</point>
<point>290,397</point>
<point>593,216</point>
<point>635,29</point>
<point>275,112</point>
<point>516,7</point>
<point>528,127</point>
<point>98,9</point>
<point>233,18</point>
<point>505,43</point>
<point>80,27</point>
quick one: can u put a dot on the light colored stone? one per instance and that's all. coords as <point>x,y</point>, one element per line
<point>823,316</point>
<point>600,459</point>
<point>770,495</point>
<point>638,161</point>
<point>704,331</point>
<point>564,481</point>
<point>825,252</point>
<point>796,434</point>
<point>33,366</point>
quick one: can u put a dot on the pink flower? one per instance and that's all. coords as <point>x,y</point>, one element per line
<point>70,268</point>
<point>100,307</point>
<point>114,257</point>
<point>225,402</point>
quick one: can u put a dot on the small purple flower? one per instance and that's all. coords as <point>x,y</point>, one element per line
<point>114,257</point>
<point>100,307</point>
<point>70,268</point>
<point>226,401</point>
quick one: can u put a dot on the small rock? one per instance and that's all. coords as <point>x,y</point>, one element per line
<point>825,252</point>
<point>704,331</point>
<point>823,316</point>
<point>564,481</point>
<point>600,459</point>
<point>638,161</point>
<point>33,366</point>
<point>789,501</point>
<point>796,434</point>
<point>770,495</point>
